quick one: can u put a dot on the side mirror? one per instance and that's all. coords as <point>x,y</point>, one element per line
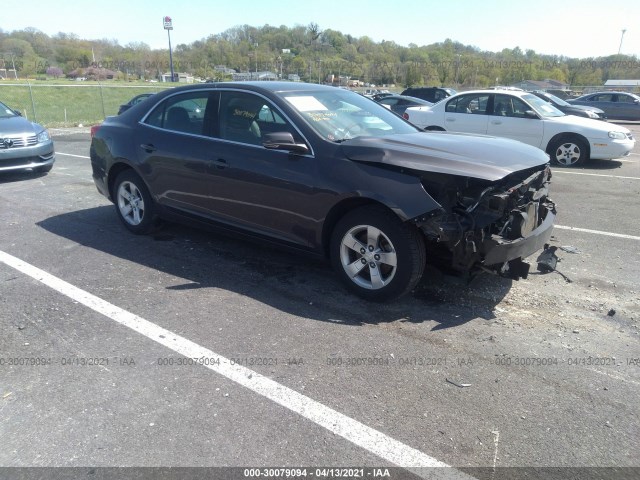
<point>17,112</point>
<point>283,141</point>
<point>531,114</point>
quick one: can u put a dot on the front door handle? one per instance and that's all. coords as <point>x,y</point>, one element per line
<point>496,122</point>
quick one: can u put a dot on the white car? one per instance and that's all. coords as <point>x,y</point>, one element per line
<point>569,140</point>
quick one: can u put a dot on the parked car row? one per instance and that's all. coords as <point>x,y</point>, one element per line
<point>523,116</point>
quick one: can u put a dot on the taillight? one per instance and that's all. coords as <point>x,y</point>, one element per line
<point>94,129</point>
<point>405,115</point>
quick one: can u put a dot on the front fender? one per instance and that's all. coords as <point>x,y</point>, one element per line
<point>401,192</point>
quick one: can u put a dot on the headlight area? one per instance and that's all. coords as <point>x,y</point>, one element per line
<point>493,227</point>
<point>43,136</point>
<point>618,135</point>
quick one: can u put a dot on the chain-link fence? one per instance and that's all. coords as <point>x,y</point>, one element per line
<point>70,105</point>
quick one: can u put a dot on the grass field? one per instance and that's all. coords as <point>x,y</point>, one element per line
<point>69,104</point>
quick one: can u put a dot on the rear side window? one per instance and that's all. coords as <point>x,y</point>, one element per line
<point>474,104</point>
<point>183,113</point>
<point>626,99</point>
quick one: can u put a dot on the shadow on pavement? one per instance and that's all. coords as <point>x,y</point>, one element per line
<point>287,281</point>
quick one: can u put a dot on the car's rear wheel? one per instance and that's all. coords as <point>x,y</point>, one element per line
<point>376,255</point>
<point>133,203</point>
<point>568,151</point>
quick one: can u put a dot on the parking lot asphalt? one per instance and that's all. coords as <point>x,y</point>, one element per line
<point>543,372</point>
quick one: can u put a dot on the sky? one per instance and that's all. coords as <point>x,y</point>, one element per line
<point>570,28</point>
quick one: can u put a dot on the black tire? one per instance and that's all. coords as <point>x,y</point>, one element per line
<point>133,203</point>
<point>568,151</point>
<point>391,240</point>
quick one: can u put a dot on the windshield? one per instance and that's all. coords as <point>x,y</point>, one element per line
<point>341,115</point>
<point>557,100</point>
<point>542,107</point>
<point>6,112</point>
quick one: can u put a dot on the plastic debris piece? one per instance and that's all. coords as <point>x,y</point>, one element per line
<point>459,385</point>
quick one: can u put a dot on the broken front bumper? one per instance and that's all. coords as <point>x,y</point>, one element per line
<point>499,250</point>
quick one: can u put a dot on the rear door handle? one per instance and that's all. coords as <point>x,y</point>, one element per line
<point>449,119</point>
<point>148,147</point>
<point>496,122</point>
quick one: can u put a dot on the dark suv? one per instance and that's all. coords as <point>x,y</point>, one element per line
<point>430,94</point>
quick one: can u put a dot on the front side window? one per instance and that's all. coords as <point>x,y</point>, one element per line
<point>183,113</point>
<point>247,118</point>
<point>508,106</point>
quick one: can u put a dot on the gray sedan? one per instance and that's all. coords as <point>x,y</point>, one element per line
<point>23,144</point>
<point>616,105</point>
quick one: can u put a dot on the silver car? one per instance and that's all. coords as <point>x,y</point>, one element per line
<point>23,144</point>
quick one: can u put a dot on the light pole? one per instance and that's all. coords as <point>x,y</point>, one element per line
<point>256,46</point>
<point>168,26</point>
<point>624,30</point>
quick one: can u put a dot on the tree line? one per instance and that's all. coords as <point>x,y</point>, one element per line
<point>308,52</point>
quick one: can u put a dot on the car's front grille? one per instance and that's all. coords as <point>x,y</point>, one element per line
<point>16,142</point>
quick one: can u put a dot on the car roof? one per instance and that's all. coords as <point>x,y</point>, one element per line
<point>515,93</point>
<point>260,86</point>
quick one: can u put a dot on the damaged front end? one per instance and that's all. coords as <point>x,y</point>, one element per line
<point>488,225</point>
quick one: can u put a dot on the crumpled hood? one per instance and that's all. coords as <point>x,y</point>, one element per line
<point>476,156</point>
<point>17,126</point>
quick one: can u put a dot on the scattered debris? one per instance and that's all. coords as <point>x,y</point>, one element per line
<point>6,395</point>
<point>547,260</point>
<point>611,312</point>
<point>460,385</point>
<point>569,249</point>
<point>576,331</point>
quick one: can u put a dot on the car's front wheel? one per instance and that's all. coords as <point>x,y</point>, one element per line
<point>568,151</point>
<point>133,203</point>
<point>376,255</point>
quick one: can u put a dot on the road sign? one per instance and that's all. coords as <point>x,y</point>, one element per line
<point>167,23</point>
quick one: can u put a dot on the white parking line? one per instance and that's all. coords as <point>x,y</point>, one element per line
<point>71,155</point>
<point>359,434</point>
<point>597,232</point>
<point>595,175</point>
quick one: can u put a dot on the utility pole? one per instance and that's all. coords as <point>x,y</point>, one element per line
<point>624,30</point>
